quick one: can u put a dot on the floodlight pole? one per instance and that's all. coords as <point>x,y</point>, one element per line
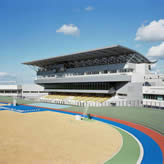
<point>14,101</point>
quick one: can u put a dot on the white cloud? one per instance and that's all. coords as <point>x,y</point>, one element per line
<point>89,8</point>
<point>4,74</point>
<point>69,29</point>
<point>7,76</point>
<point>156,51</point>
<point>151,32</point>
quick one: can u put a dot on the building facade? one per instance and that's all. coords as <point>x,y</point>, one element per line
<point>111,76</point>
<point>11,90</point>
<point>23,91</point>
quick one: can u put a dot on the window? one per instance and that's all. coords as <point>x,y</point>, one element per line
<point>26,92</point>
<point>121,94</point>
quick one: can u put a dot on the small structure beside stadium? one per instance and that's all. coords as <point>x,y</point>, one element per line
<point>30,91</point>
<point>111,76</point>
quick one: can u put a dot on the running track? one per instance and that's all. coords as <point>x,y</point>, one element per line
<point>152,142</point>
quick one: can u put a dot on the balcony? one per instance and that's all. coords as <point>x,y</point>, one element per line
<point>109,77</point>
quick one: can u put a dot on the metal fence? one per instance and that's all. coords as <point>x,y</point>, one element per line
<point>147,103</point>
<point>127,103</point>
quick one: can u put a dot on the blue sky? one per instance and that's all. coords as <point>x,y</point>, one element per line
<point>28,30</point>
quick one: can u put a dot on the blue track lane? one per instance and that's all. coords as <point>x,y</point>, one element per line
<point>152,152</point>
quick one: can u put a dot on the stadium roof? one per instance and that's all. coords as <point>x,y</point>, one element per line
<point>123,53</point>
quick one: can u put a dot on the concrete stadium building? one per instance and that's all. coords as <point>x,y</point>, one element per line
<point>113,75</point>
<point>31,91</point>
<point>10,90</point>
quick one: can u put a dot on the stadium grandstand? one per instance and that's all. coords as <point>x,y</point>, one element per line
<point>105,76</point>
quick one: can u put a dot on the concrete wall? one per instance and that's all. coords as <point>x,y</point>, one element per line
<point>81,91</point>
<point>156,90</point>
<point>10,90</point>
<point>141,71</point>
<point>32,90</point>
<point>10,87</point>
<point>132,90</point>
<point>27,90</point>
<point>155,79</point>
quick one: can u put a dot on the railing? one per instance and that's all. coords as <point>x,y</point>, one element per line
<point>153,103</point>
<point>70,76</point>
<point>126,103</point>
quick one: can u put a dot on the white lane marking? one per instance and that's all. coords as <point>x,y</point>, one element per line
<point>139,143</point>
<point>118,149</point>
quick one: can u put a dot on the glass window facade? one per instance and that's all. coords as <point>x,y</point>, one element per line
<point>153,97</point>
<point>80,86</point>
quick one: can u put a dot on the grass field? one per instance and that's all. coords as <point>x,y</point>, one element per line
<point>19,101</point>
<point>130,149</point>
<point>151,118</point>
